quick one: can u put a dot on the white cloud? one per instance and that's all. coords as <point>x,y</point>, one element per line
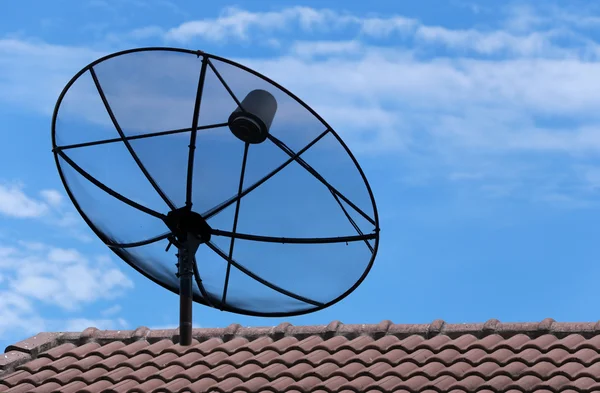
<point>35,72</point>
<point>237,23</point>
<point>495,91</point>
<point>514,36</point>
<point>50,208</point>
<point>487,43</point>
<point>146,32</point>
<point>7,251</point>
<point>61,277</point>
<point>233,23</point>
<point>464,103</point>
<point>38,277</point>
<point>63,256</point>
<point>575,14</point>
<point>325,48</point>
<point>36,246</point>
<point>523,17</point>
<point>14,203</point>
<point>18,314</point>
<point>383,27</point>
<point>111,310</point>
<point>52,197</point>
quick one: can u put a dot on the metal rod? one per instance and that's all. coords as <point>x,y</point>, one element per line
<point>128,146</point>
<point>187,248</point>
<point>352,222</point>
<point>261,280</point>
<point>310,170</point>
<point>136,137</point>
<point>294,240</point>
<point>192,146</point>
<point>207,298</point>
<point>235,222</point>
<point>225,85</point>
<point>217,209</point>
<point>109,190</point>
<point>185,312</point>
<point>140,243</point>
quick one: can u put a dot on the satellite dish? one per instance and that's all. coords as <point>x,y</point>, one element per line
<point>192,167</point>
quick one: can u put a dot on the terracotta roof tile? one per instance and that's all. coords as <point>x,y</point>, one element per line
<point>438,357</point>
<point>74,387</point>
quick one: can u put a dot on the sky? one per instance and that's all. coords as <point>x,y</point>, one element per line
<point>476,124</point>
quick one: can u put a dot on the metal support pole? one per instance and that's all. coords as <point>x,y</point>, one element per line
<point>187,251</point>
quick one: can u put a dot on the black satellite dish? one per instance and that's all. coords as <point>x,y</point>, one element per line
<point>266,207</point>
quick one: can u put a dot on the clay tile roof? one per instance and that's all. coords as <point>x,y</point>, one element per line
<point>490,357</point>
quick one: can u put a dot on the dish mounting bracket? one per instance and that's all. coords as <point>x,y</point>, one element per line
<point>190,230</point>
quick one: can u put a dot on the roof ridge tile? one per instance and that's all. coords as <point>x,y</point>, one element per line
<point>88,335</point>
<point>140,333</point>
<point>435,328</point>
<point>546,325</point>
<point>546,350</point>
<point>230,331</point>
<point>12,359</point>
<point>36,344</point>
<point>332,328</point>
<point>490,326</point>
<point>279,331</point>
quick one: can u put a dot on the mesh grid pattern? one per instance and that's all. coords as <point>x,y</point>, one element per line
<point>306,228</point>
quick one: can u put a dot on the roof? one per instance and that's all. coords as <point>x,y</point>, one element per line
<point>544,356</point>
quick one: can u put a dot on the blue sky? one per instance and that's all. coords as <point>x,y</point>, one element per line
<point>475,122</point>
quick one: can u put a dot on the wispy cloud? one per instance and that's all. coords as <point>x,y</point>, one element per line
<point>38,277</point>
<point>63,278</point>
<point>15,203</point>
<point>34,72</point>
<point>238,24</point>
<point>525,86</point>
<point>52,197</point>
<point>523,32</point>
<point>17,314</point>
<point>310,49</point>
<point>49,207</point>
<point>111,310</point>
